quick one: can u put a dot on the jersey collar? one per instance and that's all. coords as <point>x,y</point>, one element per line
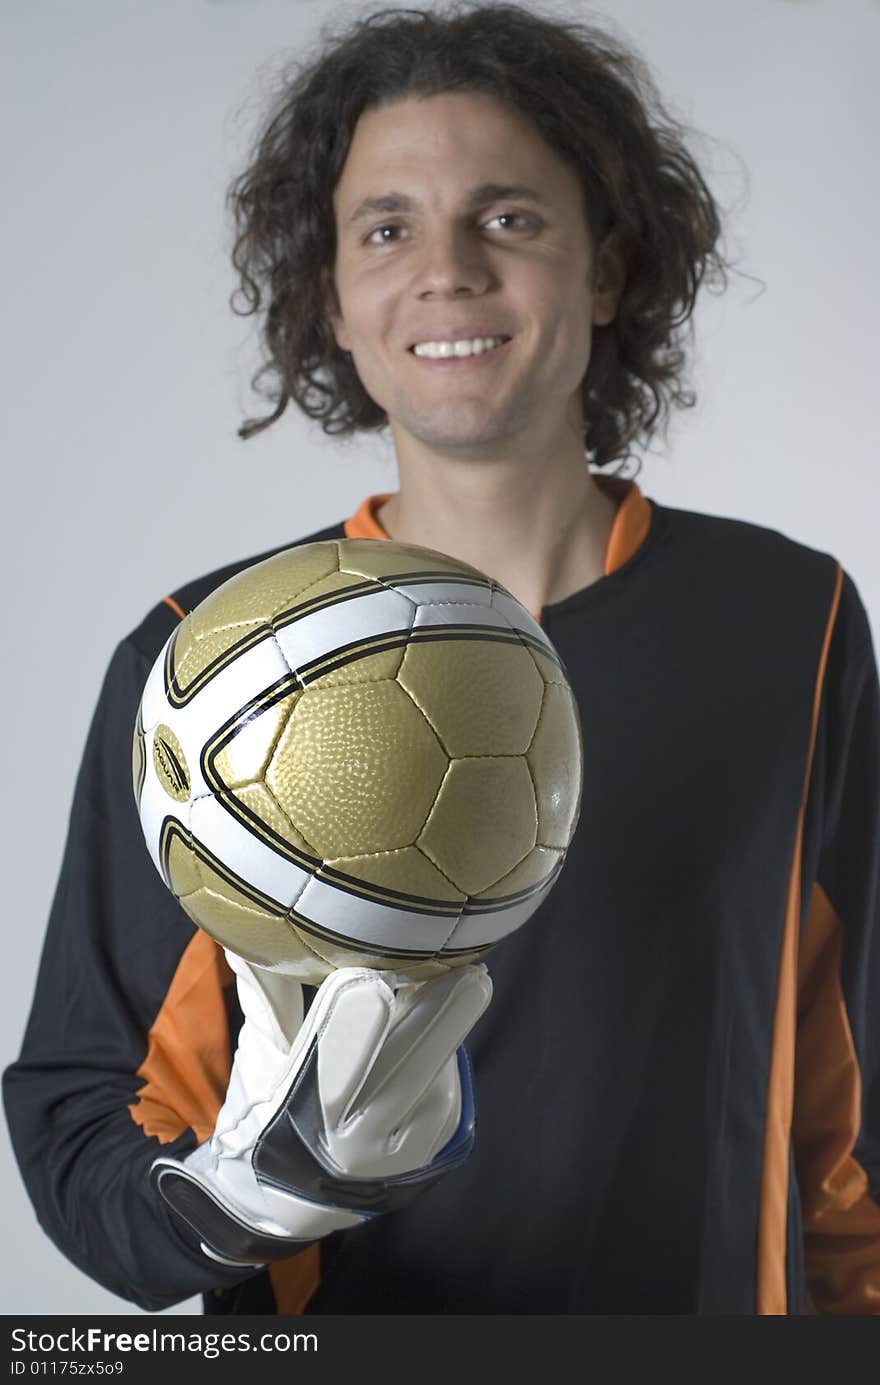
<point>628,532</point>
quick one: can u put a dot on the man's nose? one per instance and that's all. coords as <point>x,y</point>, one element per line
<point>453,262</point>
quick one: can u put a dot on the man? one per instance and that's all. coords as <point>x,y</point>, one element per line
<point>481,230</point>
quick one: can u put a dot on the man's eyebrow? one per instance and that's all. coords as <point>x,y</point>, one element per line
<point>482,196</point>
<point>388,202</point>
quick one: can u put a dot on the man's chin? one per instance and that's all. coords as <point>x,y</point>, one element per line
<point>457,429</point>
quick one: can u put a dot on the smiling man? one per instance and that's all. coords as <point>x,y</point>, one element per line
<point>481,230</point>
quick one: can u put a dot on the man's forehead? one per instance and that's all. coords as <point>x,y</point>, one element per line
<point>396,154</point>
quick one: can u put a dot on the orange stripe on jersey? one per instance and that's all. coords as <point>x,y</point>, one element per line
<point>364,523</point>
<point>176,608</point>
<point>841,1218</point>
<point>631,523</point>
<point>294,1281</point>
<point>770,1287</point>
<point>188,1059</point>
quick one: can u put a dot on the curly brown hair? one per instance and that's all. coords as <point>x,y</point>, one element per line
<point>593,101</point>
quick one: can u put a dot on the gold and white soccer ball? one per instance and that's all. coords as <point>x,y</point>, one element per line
<point>358,753</point>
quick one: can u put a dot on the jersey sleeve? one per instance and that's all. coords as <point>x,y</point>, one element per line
<point>113,948</point>
<point>836,1117</point>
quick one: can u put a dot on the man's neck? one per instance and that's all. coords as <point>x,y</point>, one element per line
<point>542,532</point>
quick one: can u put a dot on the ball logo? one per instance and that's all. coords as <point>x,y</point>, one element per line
<point>170,764</point>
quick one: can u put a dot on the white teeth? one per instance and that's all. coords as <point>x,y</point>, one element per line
<point>474,347</point>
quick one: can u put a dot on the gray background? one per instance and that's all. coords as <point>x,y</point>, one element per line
<point>125,373</point>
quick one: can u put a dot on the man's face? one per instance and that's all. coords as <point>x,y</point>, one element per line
<point>457,223</point>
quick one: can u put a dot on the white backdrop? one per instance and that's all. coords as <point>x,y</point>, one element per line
<point>126,374</point>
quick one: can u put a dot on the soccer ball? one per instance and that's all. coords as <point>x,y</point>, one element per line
<point>358,753</point>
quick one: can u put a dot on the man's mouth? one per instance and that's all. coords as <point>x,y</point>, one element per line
<point>466,346</point>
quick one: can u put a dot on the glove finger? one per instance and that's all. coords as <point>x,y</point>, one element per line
<point>428,1026</point>
<point>431,1123</point>
<point>347,1036</point>
<point>353,1014</point>
<point>365,1152</point>
<point>271,1002</point>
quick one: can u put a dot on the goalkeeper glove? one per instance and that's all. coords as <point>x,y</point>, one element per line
<point>334,1119</point>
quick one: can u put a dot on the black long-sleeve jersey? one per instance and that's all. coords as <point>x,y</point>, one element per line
<point>678,1079</point>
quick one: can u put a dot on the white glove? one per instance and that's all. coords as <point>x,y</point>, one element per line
<point>333,1120</point>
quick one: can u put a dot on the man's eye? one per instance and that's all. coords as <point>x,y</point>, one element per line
<point>384,235</point>
<point>510,221</point>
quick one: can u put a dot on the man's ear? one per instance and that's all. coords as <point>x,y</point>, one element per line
<point>333,311</point>
<point>609,280</point>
